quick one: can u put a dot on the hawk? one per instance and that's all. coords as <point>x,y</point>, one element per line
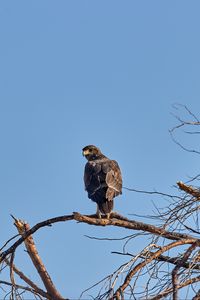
<point>102,178</point>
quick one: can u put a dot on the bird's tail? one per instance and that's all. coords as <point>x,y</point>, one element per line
<point>106,206</point>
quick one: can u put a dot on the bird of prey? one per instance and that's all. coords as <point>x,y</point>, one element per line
<point>102,178</point>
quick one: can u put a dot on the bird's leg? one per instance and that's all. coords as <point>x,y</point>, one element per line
<point>98,213</point>
<point>108,216</point>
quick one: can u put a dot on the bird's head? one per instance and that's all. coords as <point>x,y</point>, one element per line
<point>91,152</point>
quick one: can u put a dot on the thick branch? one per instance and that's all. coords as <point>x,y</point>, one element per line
<point>33,230</point>
<point>115,220</point>
<point>189,189</point>
<point>22,228</point>
<point>134,225</point>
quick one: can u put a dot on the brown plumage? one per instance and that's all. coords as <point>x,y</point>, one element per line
<point>102,178</point>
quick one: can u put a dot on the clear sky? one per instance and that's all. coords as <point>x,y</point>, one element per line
<point>74,73</point>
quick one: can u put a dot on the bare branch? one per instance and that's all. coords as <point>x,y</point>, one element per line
<point>180,263</point>
<point>182,124</point>
<point>181,285</point>
<point>189,189</point>
<point>92,220</point>
<point>197,296</point>
<point>138,267</point>
<point>17,286</point>
<point>23,228</point>
<point>34,287</point>
<point>151,192</point>
<point>32,231</point>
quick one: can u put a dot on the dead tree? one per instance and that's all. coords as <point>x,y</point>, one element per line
<point>168,265</point>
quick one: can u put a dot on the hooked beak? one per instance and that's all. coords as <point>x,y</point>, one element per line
<point>85,152</point>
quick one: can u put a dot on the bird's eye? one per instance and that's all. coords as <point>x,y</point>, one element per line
<point>90,150</point>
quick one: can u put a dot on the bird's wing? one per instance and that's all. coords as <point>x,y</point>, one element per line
<point>113,178</point>
<point>91,178</point>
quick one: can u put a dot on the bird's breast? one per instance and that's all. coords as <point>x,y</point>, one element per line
<point>96,167</point>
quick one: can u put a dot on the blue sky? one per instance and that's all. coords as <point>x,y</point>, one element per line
<point>74,73</point>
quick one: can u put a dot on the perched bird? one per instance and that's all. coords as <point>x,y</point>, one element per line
<point>102,178</point>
